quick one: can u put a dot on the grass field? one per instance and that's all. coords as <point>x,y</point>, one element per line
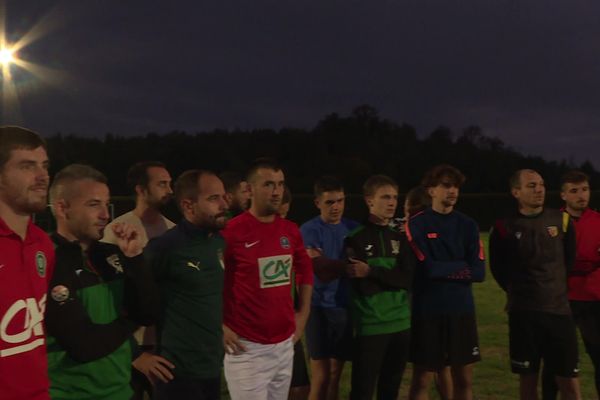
<point>492,377</point>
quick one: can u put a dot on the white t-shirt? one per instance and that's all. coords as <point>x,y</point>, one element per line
<point>148,231</point>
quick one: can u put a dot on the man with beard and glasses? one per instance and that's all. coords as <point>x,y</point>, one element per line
<point>531,251</point>
<point>26,265</point>
<point>450,255</point>
<point>99,294</point>
<point>151,183</point>
<point>259,322</point>
<point>188,265</point>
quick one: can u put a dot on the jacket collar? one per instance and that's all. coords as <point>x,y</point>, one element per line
<point>193,230</point>
<point>372,220</point>
<point>583,213</point>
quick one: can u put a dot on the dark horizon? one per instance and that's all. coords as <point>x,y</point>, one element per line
<point>522,71</point>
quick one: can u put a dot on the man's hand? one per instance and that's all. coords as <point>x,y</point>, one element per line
<point>357,268</point>
<point>128,239</point>
<point>231,341</point>
<point>154,367</point>
<point>303,311</point>
<point>300,325</point>
<point>314,253</point>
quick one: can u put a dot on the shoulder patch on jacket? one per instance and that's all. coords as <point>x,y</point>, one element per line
<point>565,221</point>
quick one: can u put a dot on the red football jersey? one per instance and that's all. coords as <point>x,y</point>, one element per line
<point>25,270</point>
<point>257,293</point>
<point>584,282</point>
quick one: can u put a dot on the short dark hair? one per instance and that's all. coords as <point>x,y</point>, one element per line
<point>573,176</point>
<point>262,163</point>
<point>231,180</point>
<point>73,173</point>
<point>187,185</point>
<point>417,199</point>
<point>374,182</point>
<point>327,183</point>
<point>515,179</point>
<point>439,173</point>
<point>287,195</point>
<point>15,137</point>
<point>138,173</point>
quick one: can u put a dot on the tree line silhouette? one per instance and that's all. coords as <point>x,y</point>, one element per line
<point>351,147</point>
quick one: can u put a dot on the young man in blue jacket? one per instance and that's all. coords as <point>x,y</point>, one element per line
<point>444,329</point>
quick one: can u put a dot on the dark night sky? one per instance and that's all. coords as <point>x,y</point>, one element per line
<point>526,71</point>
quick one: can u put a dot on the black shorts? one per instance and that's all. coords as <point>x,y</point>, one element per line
<point>188,388</point>
<point>379,360</point>
<point>444,340</point>
<point>587,318</point>
<point>329,334</point>
<point>536,336</point>
<point>299,371</point>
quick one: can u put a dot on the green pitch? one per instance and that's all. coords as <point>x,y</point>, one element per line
<point>492,378</point>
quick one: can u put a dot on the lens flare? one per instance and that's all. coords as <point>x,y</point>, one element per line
<point>16,73</point>
<point>6,57</point>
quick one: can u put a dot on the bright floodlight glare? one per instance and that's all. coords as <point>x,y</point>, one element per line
<point>6,57</point>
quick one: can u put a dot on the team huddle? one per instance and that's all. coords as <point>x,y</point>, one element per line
<point>142,307</point>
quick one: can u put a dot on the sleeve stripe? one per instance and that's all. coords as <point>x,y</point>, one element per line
<point>417,251</point>
<point>481,251</point>
<point>407,230</point>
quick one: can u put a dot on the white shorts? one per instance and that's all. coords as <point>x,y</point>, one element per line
<point>262,372</point>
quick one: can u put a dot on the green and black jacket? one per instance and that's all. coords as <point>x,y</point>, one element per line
<point>188,265</point>
<point>380,301</point>
<point>96,300</point>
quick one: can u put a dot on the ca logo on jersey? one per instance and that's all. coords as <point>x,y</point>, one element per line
<point>275,271</point>
<point>21,326</point>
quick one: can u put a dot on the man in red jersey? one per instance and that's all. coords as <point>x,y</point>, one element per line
<point>259,322</point>
<point>26,264</point>
<point>584,278</point>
